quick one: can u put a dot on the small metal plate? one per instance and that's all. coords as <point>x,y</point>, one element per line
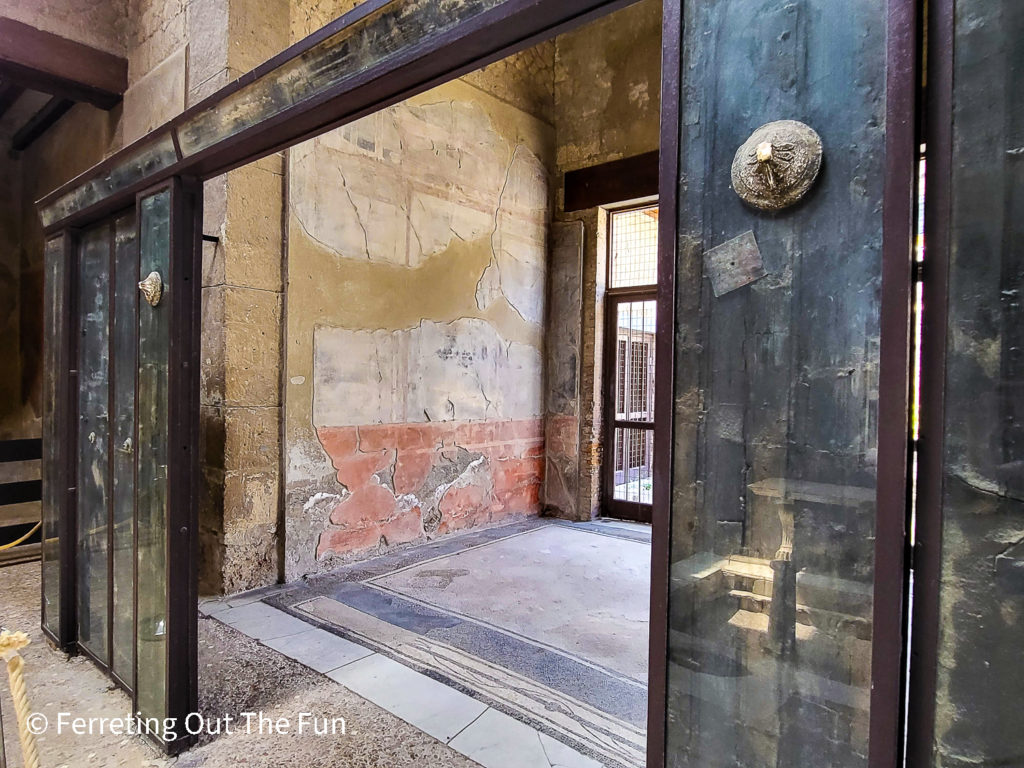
<point>734,264</point>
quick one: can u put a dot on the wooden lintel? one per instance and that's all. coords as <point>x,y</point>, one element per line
<point>9,93</point>
<point>40,122</point>
<point>617,181</point>
<point>46,62</point>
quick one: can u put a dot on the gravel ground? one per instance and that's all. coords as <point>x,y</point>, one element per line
<point>236,674</point>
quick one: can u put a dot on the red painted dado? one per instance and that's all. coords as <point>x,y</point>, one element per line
<point>399,476</point>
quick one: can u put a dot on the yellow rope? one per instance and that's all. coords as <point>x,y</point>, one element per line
<point>10,644</point>
<point>16,542</point>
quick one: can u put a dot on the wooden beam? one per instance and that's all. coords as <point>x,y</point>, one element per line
<point>45,62</point>
<point>613,182</point>
<point>40,122</point>
<point>9,93</point>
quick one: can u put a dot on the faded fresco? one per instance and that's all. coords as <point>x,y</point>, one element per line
<point>417,284</point>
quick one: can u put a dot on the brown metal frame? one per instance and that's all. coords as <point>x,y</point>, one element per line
<point>610,506</point>
<point>494,34</point>
<point>938,133</point>
<point>182,695</point>
<point>664,393</point>
<point>894,483</point>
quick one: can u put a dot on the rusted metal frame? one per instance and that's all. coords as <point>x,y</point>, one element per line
<point>182,541</point>
<point>938,135</point>
<point>894,481</point>
<point>490,36</point>
<point>664,392</point>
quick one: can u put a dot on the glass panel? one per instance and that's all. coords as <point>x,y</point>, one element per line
<point>382,35</point>
<point>126,270</point>
<point>981,633</point>
<point>154,329</point>
<point>776,396</point>
<point>54,456</point>
<point>93,440</point>
<point>142,162</point>
<point>634,252</point>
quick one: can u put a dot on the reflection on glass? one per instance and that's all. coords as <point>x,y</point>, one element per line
<point>380,36</point>
<point>154,327</point>
<point>126,261</point>
<point>93,440</point>
<point>776,403</point>
<point>151,157</point>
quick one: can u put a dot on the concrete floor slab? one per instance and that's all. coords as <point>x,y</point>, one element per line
<point>262,622</point>
<point>496,740</point>
<point>320,651</point>
<point>421,701</point>
<point>561,756</point>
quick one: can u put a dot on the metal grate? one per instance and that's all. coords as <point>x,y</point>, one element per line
<point>634,400</point>
<point>634,252</point>
<point>634,465</point>
<point>634,361</point>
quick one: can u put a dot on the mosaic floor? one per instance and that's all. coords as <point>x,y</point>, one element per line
<point>524,645</point>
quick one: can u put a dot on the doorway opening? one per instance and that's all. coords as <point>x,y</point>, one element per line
<point>630,336</point>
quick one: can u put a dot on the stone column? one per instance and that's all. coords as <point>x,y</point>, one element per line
<point>240,508</point>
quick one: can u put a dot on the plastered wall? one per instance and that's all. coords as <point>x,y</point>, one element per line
<point>417,248</point>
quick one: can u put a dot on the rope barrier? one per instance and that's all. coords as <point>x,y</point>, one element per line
<point>18,541</point>
<point>10,644</point>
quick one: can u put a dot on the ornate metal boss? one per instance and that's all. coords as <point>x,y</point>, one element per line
<point>777,165</point>
<point>152,288</point>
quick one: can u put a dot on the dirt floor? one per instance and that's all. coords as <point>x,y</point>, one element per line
<point>236,675</point>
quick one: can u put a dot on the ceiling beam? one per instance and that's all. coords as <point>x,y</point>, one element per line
<point>40,122</point>
<point>9,93</point>
<point>46,62</point>
<point>613,182</point>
